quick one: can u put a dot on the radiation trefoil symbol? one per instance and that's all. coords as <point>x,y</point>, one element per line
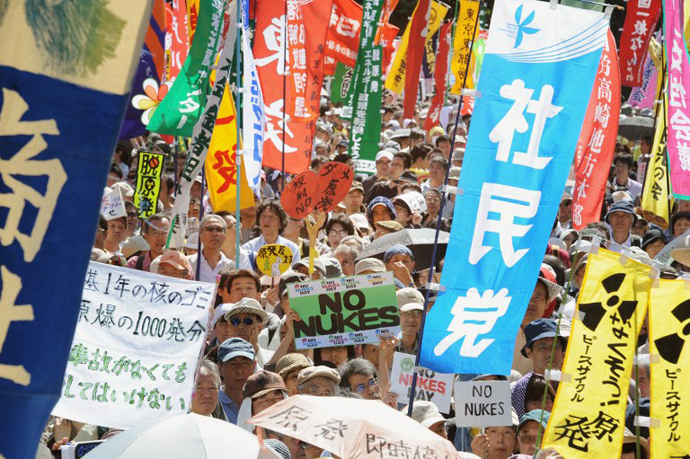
<point>594,312</point>
<point>671,346</point>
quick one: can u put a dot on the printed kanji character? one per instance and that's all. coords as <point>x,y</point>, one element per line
<point>274,38</point>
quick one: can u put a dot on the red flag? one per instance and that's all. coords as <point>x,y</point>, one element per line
<point>297,107</point>
<point>440,74</point>
<point>177,31</point>
<point>640,20</point>
<point>415,55</point>
<point>597,139</point>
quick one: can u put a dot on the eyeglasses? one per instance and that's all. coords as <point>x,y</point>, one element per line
<point>525,438</point>
<point>217,229</point>
<point>235,321</point>
<point>416,313</point>
<point>313,390</point>
<point>132,214</point>
<point>333,232</point>
<point>432,199</point>
<point>362,387</point>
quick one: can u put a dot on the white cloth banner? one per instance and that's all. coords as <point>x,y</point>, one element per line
<point>136,347</point>
<point>431,386</point>
<point>112,204</point>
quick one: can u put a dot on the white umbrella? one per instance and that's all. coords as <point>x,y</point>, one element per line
<point>184,436</point>
<point>353,428</point>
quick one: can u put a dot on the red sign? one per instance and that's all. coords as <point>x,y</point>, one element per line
<point>415,56</point>
<point>299,196</point>
<point>335,180</point>
<point>640,20</point>
<point>597,139</point>
<point>440,72</point>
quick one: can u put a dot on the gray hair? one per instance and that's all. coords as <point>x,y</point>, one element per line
<point>347,250</point>
<point>358,366</point>
<point>208,368</point>
<point>207,218</point>
<point>353,241</point>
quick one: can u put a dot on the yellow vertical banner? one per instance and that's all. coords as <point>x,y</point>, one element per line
<point>467,15</point>
<point>656,193</point>
<point>221,165</point>
<point>669,338</point>
<point>395,81</point>
<point>150,167</point>
<point>589,411</point>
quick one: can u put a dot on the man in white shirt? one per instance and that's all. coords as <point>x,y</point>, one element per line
<point>272,221</point>
<point>212,232</point>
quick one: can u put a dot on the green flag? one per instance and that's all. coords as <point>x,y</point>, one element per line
<point>182,107</point>
<point>341,83</point>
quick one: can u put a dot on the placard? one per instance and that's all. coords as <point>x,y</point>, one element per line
<point>345,310</point>
<point>299,196</point>
<point>274,259</point>
<point>482,404</point>
<point>136,347</point>
<point>112,204</point>
<point>431,386</point>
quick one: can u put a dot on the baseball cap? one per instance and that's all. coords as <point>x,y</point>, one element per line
<point>540,329</point>
<point>371,265</point>
<point>384,154</point>
<point>319,267</point>
<point>291,362</point>
<point>409,299</point>
<point>247,306</point>
<point>356,186</point>
<point>261,383</point>
<point>175,259</point>
<point>547,277</point>
<point>235,347</point>
<point>319,370</point>
<point>426,413</point>
<point>534,415</point>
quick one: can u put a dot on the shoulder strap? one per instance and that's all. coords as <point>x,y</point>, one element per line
<point>140,262</point>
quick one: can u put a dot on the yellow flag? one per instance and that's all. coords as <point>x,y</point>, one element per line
<point>395,81</point>
<point>221,168</point>
<point>467,15</point>
<point>669,327</point>
<point>656,194</point>
<point>589,411</point>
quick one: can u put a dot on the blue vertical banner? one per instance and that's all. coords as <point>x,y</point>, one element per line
<point>64,77</point>
<point>537,75</point>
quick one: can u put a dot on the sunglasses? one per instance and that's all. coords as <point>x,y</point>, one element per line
<point>235,321</point>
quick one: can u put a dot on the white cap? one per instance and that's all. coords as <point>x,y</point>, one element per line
<point>384,154</point>
<point>409,299</point>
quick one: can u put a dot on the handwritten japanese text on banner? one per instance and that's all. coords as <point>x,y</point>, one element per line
<point>640,19</point>
<point>521,144</point>
<point>462,41</point>
<point>149,170</point>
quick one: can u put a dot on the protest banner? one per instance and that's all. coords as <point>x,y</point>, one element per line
<point>274,259</point>
<point>149,169</point>
<point>335,180</point>
<point>597,139</point>
<point>341,83</point>
<point>678,125</point>
<point>482,403</point>
<point>669,312</point>
<point>179,38</point>
<point>296,105</point>
<point>589,411</point>
<point>112,204</point>
<point>462,41</point>
<point>420,33</point>
<point>344,311</point>
<point>179,112</point>
<point>440,75</point>
<point>299,196</point>
<point>58,64</point>
<point>136,347</point>
<point>528,118</point>
<point>431,386</point>
<point>643,96</point>
<point>641,17</point>
<point>655,193</point>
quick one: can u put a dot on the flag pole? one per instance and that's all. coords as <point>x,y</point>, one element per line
<point>438,226</point>
<point>285,77</point>
<point>238,119</point>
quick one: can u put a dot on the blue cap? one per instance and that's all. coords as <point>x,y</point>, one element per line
<point>621,206</point>
<point>380,200</point>
<point>540,329</point>
<point>535,415</point>
<point>235,347</point>
<point>397,249</point>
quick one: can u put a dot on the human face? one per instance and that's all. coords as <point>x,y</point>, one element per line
<point>654,248</point>
<point>269,223</point>
<point>439,429</point>
<point>501,442</point>
<point>156,234</point>
<point>245,326</point>
<point>383,168</point>
<point>681,226</point>
<point>319,387</point>
<point>347,263</point>
<point>621,222</point>
<point>437,173</point>
<point>537,304</point>
<point>116,230</point>
<point>433,203</point>
<point>642,381</point>
<point>445,146</point>
<point>166,269</point>
<point>132,218</point>
<point>267,400</point>
<point>381,213</point>
<point>621,170</point>
<point>336,355</point>
<point>527,438</point>
<point>536,404</point>
<point>290,379</point>
<point>222,330</point>
<point>293,228</point>
<point>404,259</point>
<point>366,386</point>
<point>205,396</point>
<point>541,353</point>
<point>243,287</point>
<point>397,167</point>
<point>213,234</point>
<point>371,353</point>
<point>235,372</point>
<point>402,215</point>
<point>336,234</point>
<point>639,228</point>
<point>564,210</point>
<point>410,321</point>
<point>353,201</point>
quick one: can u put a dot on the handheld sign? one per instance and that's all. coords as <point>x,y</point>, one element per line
<point>335,180</point>
<point>431,386</point>
<point>148,183</point>
<point>482,404</point>
<point>345,310</point>
<point>274,259</point>
<point>112,204</point>
<point>299,196</point>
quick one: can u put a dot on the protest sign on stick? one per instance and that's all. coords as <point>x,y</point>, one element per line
<point>482,403</point>
<point>299,196</point>
<point>431,386</point>
<point>112,204</point>
<point>335,180</point>
<point>135,348</point>
<point>274,259</point>
<point>344,311</point>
